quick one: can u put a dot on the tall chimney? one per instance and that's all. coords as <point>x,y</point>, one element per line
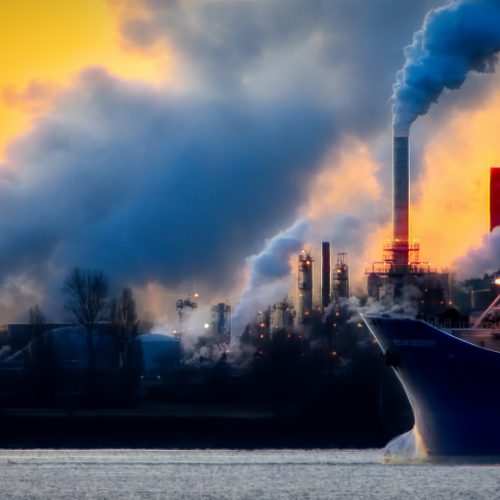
<point>305,287</point>
<point>401,193</point>
<point>325,273</point>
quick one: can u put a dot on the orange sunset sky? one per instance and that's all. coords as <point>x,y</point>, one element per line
<point>46,43</point>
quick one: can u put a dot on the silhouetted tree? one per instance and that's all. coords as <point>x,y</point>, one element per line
<point>123,317</point>
<point>36,319</point>
<point>40,355</point>
<point>86,293</point>
<point>36,316</point>
<point>123,314</point>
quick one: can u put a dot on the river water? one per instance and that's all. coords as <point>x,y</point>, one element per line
<point>260,474</point>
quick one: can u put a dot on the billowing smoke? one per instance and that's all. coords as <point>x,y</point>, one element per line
<point>177,184</point>
<point>482,259</point>
<point>461,37</point>
<point>269,275</point>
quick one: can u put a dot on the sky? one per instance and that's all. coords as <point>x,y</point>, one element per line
<point>170,143</point>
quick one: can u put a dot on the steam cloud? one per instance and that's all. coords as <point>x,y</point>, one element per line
<point>175,185</point>
<point>456,39</point>
<point>482,259</point>
<point>269,278</point>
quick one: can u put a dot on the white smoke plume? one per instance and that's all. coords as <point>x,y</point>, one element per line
<point>461,37</point>
<point>482,259</point>
<point>269,276</point>
<point>405,305</point>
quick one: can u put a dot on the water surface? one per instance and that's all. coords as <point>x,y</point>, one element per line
<point>218,474</point>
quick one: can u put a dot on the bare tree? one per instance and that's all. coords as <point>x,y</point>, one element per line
<point>86,294</point>
<point>36,316</point>
<point>36,319</point>
<point>123,317</point>
<point>41,356</point>
<point>123,314</point>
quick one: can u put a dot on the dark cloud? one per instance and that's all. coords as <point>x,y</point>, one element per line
<point>155,185</point>
<point>345,52</point>
<point>150,186</point>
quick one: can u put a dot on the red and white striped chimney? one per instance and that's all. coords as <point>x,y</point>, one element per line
<point>401,200</point>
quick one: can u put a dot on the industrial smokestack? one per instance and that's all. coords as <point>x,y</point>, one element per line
<point>342,277</point>
<point>401,200</point>
<point>305,286</point>
<point>268,279</point>
<point>325,274</point>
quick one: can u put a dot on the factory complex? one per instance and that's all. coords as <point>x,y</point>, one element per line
<point>309,358</point>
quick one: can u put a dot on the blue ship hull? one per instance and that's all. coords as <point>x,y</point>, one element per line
<point>452,385</point>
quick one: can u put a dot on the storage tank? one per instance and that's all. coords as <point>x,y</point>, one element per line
<point>155,359</point>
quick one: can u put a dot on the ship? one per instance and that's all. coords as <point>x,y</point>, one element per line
<point>452,380</point>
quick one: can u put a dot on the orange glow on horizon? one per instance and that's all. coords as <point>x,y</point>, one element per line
<point>348,183</point>
<point>45,44</point>
<point>345,182</point>
<point>452,213</point>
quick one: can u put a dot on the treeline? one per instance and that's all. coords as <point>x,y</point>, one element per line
<point>88,303</point>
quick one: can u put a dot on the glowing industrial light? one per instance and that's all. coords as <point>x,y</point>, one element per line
<point>196,295</point>
<point>206,325</point>
<point>497,281</point>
